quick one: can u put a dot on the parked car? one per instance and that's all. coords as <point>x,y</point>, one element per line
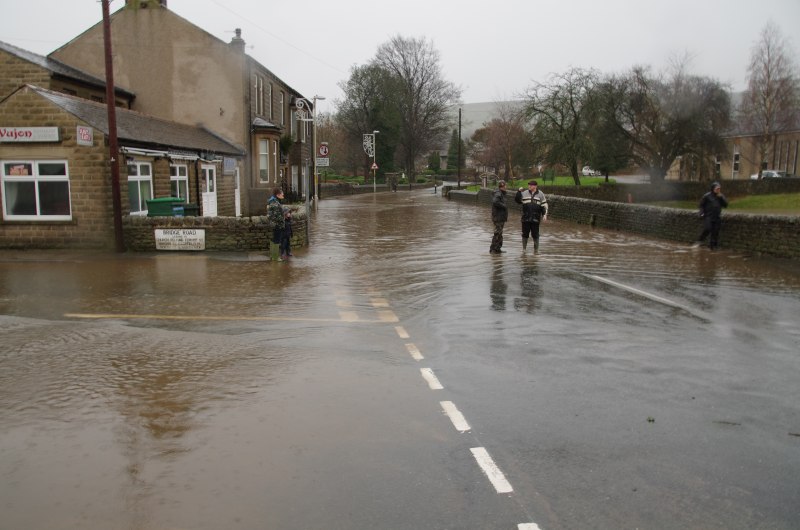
<point>589,172</point>
<point>770,173</point>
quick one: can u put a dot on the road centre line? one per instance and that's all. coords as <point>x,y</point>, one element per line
<point>401,332</point>
<point>388,316</point>
<point>345,317</point>
<point>528,526</point>
<point>491,470</point>
<point>459,422</point>
<point>379,302</point>
<point>414,351</point>
<point>430,377</point>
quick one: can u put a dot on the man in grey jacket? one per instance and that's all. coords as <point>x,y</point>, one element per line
<point>534,211</point>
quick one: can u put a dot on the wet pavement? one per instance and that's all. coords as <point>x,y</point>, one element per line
<point>612,381</point>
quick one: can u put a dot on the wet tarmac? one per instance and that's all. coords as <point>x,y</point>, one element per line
<point>615,381</point>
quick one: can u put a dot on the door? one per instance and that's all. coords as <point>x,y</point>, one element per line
<point>209,175</point>
<point>237,197</point>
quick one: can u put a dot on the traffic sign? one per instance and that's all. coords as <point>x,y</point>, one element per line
<point>323,150</point>
<point>374,166</point>
<point>323,161</point>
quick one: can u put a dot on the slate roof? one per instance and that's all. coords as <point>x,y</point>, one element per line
<point>137,128</point>
<point>58,68</point>
<point>260,123</point>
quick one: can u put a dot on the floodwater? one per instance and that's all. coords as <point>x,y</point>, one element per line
<point>617,381</point>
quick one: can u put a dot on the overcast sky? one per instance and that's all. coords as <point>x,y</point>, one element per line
<point>493,50</point>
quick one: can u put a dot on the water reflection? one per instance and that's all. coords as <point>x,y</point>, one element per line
<point>498,288</point>
<point>532,294</point>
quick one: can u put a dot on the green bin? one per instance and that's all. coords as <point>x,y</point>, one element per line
<point>164,207</point>
<point>191,209</point>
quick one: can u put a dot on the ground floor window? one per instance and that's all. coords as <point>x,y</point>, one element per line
<point>140,186</point>
<point>179,181</point>
<point>35,190</point>
<point>263,160</point>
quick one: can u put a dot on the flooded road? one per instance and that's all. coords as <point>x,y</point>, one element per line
<point>396,375</point>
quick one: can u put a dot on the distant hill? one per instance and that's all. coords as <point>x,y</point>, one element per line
<point>475,115</point>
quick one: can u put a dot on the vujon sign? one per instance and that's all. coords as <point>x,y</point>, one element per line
<point>29,134</point>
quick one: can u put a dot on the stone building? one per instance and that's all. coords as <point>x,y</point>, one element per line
<point>56,176</point>
<point>182,73</point>
<point>20,67</point>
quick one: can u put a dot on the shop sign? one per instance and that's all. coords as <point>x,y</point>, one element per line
<point>29,134</point>
<point>85,135</point>
<point>180,239</point>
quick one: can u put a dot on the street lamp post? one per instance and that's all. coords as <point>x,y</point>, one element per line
<point>303,113</point>
<point>369,148</point>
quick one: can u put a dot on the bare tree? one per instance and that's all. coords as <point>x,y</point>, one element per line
<point>559,110</point>
<point>770,103</point>
<point>504,141</point>
<point>664,117</point>
<point>423,95</point>
<point>370,104</point>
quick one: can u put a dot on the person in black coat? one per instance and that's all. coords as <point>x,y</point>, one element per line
<point>711,206</point>
<point>499,217</point>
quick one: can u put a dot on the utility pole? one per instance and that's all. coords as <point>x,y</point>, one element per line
<point>113,148</point>
<point>459,148</point>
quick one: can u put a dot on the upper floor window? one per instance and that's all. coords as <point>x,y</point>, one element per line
<point>179,181</point>
<point>259,95</point>
<point>282,106</point>
<point>269,103</point>
<point>36,190</point>
<point>140,186</point>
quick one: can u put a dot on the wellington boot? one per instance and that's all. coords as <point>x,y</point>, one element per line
<point>524,244</point>
<point>274,252</point>
<point>536,245</point>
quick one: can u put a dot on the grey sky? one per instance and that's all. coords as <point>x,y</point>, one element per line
<point>492,50</point>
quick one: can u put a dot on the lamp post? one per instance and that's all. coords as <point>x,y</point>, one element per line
<point>309,114</point>
<point>369,148</point>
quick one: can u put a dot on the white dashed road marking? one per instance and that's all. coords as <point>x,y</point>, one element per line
<point>401,332</point>
<point>433,382</point>
<point>488,466</point>
<point>414,352</point>
<point>455,416</point>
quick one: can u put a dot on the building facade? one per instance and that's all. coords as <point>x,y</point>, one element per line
<point>56,178</point>
<point>182,73</point>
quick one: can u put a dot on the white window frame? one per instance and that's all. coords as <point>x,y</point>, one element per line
<point>138,179</point>
<point>259,95</point>
<point>282,103</point>
<point>263,160</point>
<point>275,159</point>
<point>37,179</point>
<point>179,180</point>
<point>269,103</point>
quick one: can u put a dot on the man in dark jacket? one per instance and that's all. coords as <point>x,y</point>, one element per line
<point>711,206</point>
<point>278,222</point>
<point>499,217</point>
<point>534,211</point>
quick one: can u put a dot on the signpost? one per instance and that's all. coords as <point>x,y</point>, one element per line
<point>322,159</point>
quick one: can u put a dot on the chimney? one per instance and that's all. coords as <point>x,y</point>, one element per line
<point>144,4</point>
<point>237,42</point>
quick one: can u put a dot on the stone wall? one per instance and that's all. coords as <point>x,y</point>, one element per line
<point>221,233</point>
<point>772,235</point>
<point>669,191</point>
